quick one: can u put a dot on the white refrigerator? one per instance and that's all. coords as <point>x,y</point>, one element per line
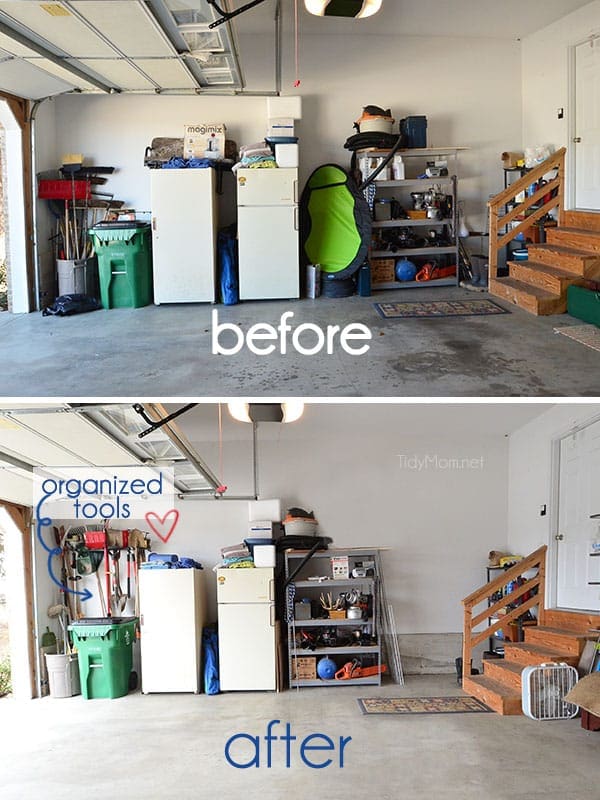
<point>268,240</point>
<point>184,235</point>
<point>247,629</point>
<point>172,616</point>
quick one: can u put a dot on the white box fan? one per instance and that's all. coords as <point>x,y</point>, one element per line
<point>543,689</point>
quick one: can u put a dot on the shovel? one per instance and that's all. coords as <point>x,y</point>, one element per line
<point>118,599</point>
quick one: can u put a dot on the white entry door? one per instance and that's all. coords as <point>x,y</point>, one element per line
<point>587,125</point>
<point>578,571</point>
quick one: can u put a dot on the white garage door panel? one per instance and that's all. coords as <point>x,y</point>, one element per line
<point>168,73</point>
<point>126,26</point>
<point>26,80</point>
<point>119,73</point>
<point>66,32</point>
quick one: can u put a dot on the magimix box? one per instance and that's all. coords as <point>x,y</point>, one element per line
<point>204,140</point>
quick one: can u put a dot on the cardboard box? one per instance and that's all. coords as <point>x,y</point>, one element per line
<point>304,668</point>
<point>262,529</point>
<point>282,126</point>
<point>261,510</point>
<point>383,270</point>
<point>290,107</point>
<point>313,281</point>
<point>204,140</point>
<point>512,160</point>
<point>264,555</point>
<point>286,155</point>
<point>302,611</point>
<point>340,568</point>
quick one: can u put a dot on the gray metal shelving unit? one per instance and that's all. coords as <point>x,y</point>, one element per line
<point>450,182</point>
<point>319,566</point>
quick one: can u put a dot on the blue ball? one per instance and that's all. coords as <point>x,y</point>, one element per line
<point>405,270</point>
<point>326,668</point>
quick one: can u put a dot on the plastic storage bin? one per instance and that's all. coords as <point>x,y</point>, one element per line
<point>584,304</point>
<point>63,675</point>
<point>104,650</point>
<point>414,131</point>
<point>124,251</point>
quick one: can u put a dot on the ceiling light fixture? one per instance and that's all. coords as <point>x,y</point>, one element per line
<point>343,8</point>
<point>289,411</point>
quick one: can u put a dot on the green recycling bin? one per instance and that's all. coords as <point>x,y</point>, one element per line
<point>104,652</point>
<point>124,251</point>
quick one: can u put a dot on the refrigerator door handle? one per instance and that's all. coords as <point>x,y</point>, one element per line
<point>295,191</point>
<point>272,589</point>
<point>154,224</point>
<point>296,215</point>
<point>272,614</point>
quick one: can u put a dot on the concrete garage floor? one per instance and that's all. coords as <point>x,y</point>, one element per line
<point>172,746</point>
<point>166,351</point>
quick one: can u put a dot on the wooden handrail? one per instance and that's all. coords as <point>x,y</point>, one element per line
<point>471,638</point>
<point>555,161</point>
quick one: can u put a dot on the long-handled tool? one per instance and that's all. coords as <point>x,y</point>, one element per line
<point>118,598</point>
<point>60,612</point>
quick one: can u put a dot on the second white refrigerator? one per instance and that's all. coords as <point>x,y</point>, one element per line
<point>247,630</point>
<point>268,234</point>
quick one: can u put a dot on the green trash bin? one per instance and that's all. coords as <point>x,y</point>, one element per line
<point>104,652</point>
<point>124,251</point>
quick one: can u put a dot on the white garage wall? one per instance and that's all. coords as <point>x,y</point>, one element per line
<point>530,475</point>
<point>439,522</point>
<point>470,90</point>
<point>546,75</point>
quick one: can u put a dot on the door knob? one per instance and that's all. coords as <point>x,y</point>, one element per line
<point>577,139</point>
<point>559,537</point>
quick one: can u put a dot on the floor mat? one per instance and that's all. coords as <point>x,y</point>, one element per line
<point>589,335</point>
<point>420,705</point>
<point>439,308</point>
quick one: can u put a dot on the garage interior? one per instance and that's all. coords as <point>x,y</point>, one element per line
<point>93,90</point>
<point>436,495</point>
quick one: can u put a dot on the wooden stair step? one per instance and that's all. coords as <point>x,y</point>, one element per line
<point>589,220</point>
<point>508,673</point>
<point>568,259</point>
<point>578,238</point>
<point>528,654</point>
<point>580,621</point>
<point>530,298</point>
<point>495,695</point>
<point>551,279</point>
<point>558,638</point>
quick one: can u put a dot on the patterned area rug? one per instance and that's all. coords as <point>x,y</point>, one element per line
<point>420,705</point>
<point>439,308</point>
<point>589,335</point>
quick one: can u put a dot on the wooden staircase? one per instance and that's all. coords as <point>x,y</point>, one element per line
<point>570,256</point>
<point>500,685</point>
<point>560,636</point>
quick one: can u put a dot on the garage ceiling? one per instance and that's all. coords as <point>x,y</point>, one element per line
<point>115,46</point>
<point>162,46</point>
<point>62,435</point>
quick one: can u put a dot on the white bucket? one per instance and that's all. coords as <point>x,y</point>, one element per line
<point>376,125</point>
<point>77,276</point>
<point>63,675</point>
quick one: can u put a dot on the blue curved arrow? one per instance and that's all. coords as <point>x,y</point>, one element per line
<point>85,594</point>
<point>45,522</point>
